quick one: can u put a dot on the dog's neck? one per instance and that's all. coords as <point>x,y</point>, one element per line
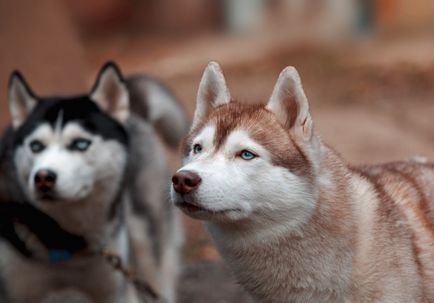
<point>313,262</point>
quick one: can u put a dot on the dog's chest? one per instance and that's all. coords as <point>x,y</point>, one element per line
<point>284,271</point>
<point>30,280</point>
<point>90,219</point>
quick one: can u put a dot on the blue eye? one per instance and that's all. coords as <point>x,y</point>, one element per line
<point>247,155</point>
<point>36,146</point>
<point>197,148</point>
<point>80,144</point>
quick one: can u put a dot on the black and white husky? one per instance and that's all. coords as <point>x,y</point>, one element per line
<point>99,171</point>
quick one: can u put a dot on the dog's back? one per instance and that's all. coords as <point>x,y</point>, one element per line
<point>396,227</point>
<point>155,103</point>
<point>156,232</point>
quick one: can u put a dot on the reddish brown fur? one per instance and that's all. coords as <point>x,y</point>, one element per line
<point>269,133</point>
<point>403,180</point>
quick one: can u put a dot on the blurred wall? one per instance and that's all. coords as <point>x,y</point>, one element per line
<point>99,18</point>
<point>404,14</point>
<point>51,41</point>
<point>37,38</point>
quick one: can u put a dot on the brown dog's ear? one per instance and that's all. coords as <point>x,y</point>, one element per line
<point>289,104</point>
<point>111,93</point>
<point>212,92</point>
<point>21,99</point>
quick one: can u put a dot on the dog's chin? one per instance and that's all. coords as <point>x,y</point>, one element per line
<point>58,197</point>
<point>201,212</point>
<point>52,199</point>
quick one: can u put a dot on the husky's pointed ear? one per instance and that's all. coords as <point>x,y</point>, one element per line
<point>21,99</point>
<point>212,92</point>
<point>289,104</point>
<point>111,93</point>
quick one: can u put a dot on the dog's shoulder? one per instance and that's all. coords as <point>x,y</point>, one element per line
<point>413,173</point>
<point>401,203</point>
<point>405,188</point>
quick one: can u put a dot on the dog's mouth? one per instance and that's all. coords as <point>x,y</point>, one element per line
<point>190,207</point>
<point>47,197</point>
<point>196,210</point>
<point>51,198</point>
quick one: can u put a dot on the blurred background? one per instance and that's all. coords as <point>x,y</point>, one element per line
<point>367,67</point>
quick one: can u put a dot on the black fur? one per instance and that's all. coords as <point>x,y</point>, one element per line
<point>44,227</point>
<point>80,109</point>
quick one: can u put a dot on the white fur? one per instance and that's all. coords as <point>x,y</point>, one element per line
<point>205,139</point>
<point>75,178</point>
<point>253,190</point>
<point>78,173</point>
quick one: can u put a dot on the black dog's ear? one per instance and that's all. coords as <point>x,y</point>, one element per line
<point>21,99</point>
<point>111,93</point>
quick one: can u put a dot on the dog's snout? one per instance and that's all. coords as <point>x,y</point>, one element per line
<point>185,181</point>
<point>45,179</point>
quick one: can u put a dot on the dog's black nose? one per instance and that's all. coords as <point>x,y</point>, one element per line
<point>185,181</point>
<point>45,180</point>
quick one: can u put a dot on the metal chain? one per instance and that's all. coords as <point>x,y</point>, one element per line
<point>116,262</point>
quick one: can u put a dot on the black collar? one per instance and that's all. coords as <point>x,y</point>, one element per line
<point>61,244</point>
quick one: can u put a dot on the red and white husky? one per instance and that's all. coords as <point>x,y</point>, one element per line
<point>291,218</point>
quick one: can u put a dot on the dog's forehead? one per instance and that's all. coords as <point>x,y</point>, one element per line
<point>42,130</point>
<point>58,110</point>
<point>52,135</point>
<point>259,123</point>
<point>46,129</point>
<point>256,122</point>
<point>205,136</point>
<point>69,114</point>
<point>215,127</point>
<point>73,129</point>
<point>240,123</point>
